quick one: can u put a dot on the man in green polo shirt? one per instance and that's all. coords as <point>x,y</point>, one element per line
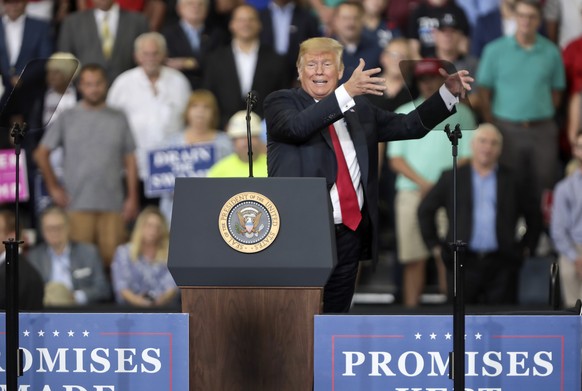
<point>520,80</point>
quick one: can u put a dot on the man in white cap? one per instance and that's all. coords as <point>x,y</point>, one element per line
<point>237,163</point>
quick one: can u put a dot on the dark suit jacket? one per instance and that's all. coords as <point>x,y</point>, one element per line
<point>299,144</point>
<point>37,46</point>
<point>179,46</point>
<point>304,25</point>
<point>86,269</point>
<point>79,35</point>
<point>30,286</point>
<point>37,43</point>
<point>221,78</point>
<point>513,201</point>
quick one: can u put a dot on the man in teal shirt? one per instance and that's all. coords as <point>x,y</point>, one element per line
<point>520,81</point>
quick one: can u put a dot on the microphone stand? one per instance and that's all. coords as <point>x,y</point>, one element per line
<point>251,102</point>
<point>457,356</point>
<point>14,355</point>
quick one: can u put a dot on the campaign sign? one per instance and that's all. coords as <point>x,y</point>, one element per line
<point>100,352</point>
<point>165,165</point>
<point>411,353</point>
<point>8,176</point>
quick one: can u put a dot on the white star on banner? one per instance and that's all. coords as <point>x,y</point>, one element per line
<point>41,333</point>
<point>433,336</point>
<point>417,335</point>
<point>478,336</point>
<point>85,333</point>
<point>448,335</point>
<point>55,333</point>
<point>26,333</point>
<point>71,333</point>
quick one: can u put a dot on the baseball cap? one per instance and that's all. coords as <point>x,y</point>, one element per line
<point>449,20</point>
<point>427,67</point>
<point>237,125</point>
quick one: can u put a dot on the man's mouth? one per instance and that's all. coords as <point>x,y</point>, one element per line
<point>320,82</point>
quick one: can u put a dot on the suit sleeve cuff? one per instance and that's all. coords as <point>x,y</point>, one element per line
<point>449,99</point>
<point>344,100</point>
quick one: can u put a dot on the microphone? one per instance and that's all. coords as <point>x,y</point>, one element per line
<point>251,99</point>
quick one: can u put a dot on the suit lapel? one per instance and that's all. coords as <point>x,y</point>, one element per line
<point>231,72</point>
<point>268,30</point>
<point>5,64</point>
<point>26,46</point>
<point>502,185</point>
<point>95,40</point>
<point>360,143</point>
<point>47,269</point>
<point>121,32</point>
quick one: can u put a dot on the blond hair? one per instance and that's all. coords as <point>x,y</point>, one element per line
<point>321,45</point>
<point>135,243</point>
<point>205,97</point>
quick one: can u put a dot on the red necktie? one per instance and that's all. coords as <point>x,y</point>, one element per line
<point>351,215</point>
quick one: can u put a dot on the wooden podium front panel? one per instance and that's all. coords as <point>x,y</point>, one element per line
<point>251,339</point>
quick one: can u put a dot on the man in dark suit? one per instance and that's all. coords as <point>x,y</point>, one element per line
<point>232,71</point>
<point>77,267</point>
<point>190,40</point>
<point>285,25</point>
<point>489,205</point>
<point>330,131</point>
<point>22,39</point>
<point>103,35</point>
<point>30,286</point>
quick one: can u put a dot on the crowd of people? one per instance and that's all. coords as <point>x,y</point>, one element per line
<point>157,74</point>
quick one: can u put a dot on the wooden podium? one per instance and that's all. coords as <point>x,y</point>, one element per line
<point>251,301</point>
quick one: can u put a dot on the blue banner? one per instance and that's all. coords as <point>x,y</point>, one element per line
<point>101,352</point>
<point>165,165</point>
<point>411,353</point>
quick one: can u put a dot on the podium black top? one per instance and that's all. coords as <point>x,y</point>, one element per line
<point>301,255</point>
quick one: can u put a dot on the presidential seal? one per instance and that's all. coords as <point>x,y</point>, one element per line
<point>249,222</point>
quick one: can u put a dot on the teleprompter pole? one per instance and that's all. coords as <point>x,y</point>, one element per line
<point>14,358</point>
<point>457,356</point>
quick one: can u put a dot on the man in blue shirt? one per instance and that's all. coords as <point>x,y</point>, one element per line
<point>489,207</point>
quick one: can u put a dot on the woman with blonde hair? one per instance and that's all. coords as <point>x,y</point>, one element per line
<point>139,271</point>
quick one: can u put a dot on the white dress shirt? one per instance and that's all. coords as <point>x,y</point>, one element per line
<point>346,102</point>
<point>246,64</point>
<point>13,33</point>
<point>112,19</point>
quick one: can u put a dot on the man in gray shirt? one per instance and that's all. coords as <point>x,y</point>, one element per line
<point>98,149</point>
